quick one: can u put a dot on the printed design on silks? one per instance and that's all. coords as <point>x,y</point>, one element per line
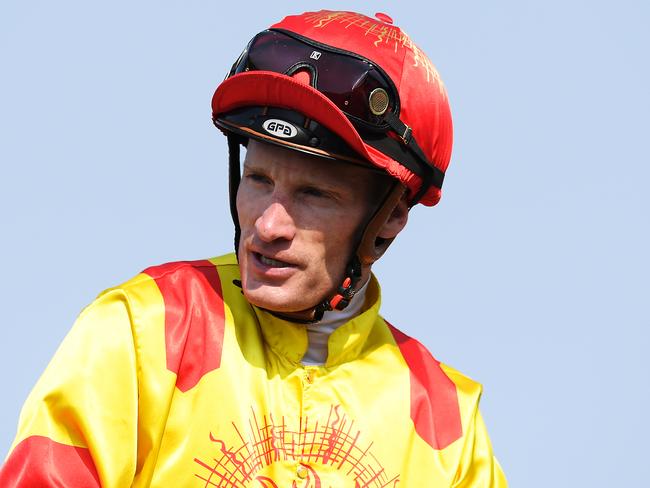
<point>310,443</point>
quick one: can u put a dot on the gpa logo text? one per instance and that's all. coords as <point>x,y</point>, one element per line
<point>280,128</point>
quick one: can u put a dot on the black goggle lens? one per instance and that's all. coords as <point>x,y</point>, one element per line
<point>353,84</point>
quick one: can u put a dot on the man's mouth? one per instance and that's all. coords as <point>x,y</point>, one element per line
<point>275,263</point>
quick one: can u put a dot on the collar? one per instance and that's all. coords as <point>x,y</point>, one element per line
<point>289,339</point>
<point>318,333</point>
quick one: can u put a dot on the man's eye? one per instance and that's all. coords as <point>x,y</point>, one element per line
<point>257,178</point>
<point>314,192</point>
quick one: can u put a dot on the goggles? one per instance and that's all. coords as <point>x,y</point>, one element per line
<point>359,88</point>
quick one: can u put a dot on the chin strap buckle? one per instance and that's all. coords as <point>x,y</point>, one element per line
<point>345,293</point>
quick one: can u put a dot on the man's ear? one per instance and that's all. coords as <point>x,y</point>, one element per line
<point>397,219</point>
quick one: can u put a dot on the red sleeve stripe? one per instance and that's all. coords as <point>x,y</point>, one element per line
<point>434,400</point>
<point>194,318</point>
<point>40,461</point>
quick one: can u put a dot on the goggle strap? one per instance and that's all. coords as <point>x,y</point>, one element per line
<point>431,175</point>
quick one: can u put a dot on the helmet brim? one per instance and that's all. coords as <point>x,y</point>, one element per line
<point>270,89</point>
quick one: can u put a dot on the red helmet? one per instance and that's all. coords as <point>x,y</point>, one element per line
<point>344,86</point>
<point>362,79</point>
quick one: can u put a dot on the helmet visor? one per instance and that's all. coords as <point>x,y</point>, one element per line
<point>360,89</point>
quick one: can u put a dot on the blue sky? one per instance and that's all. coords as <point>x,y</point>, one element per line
<point>531,276</point>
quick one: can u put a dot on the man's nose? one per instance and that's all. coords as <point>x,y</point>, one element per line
<point>275,223</point>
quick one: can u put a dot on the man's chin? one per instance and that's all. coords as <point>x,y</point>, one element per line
<point>275,299</point>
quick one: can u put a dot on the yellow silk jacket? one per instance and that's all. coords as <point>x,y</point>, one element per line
<point>174,380</point>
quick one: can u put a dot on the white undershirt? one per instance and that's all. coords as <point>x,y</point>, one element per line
<point>318,334</point>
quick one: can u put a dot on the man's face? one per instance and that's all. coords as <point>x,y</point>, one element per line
<point>299,218</point>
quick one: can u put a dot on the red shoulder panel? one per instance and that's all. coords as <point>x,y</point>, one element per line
<point>40,461</point>
<point>434,400</point>
<point>194,318</point>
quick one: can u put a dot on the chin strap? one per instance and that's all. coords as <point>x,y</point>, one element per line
<point>234,178</point>
<point>369,250</point>
<point>344,293</point>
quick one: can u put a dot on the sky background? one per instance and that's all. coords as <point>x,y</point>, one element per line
<point>530,276</point>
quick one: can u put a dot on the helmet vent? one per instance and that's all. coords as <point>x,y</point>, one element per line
<point>378,101</point>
